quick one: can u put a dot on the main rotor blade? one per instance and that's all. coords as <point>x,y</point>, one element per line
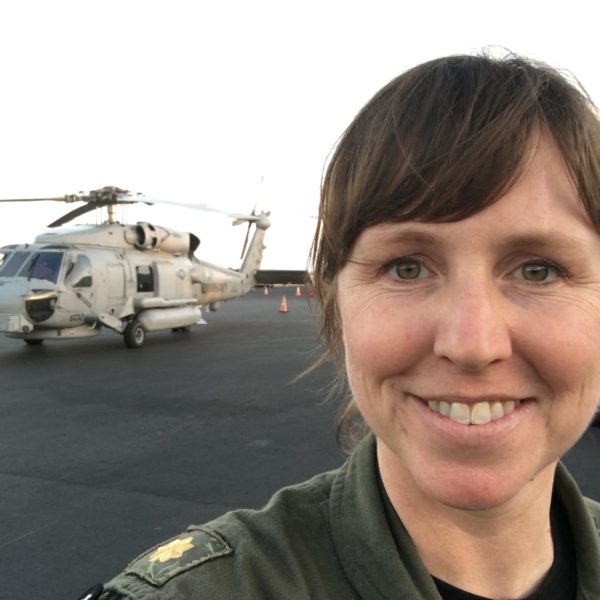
<point>111,195</point>
<point>101,197</point>
<point>203,207</point>
<point>70,198</point>
<point>80,210</point>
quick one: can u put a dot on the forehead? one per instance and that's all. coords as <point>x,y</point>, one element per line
<point>542,205</point>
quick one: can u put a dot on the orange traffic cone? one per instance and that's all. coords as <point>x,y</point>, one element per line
<point>266,292</point>
<point>298,292</point>
<point>283,308</point>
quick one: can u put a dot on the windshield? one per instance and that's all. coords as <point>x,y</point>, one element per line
<point>4,256</point>
<point>42,265</point>
<point>13,263</point>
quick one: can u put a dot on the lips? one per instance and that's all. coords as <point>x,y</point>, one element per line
<point>478,413</point>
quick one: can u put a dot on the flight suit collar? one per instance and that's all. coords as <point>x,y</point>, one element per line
<point>584,518</point>
<point>366,549</point>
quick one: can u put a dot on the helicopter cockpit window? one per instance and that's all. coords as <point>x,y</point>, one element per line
<point>4,256</point>
<point>79,274</point>
<point>42,265</point>
<point>11,265</point>
<point>145,278</point>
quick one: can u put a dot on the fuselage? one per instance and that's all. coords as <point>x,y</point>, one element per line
<point>70,276</point>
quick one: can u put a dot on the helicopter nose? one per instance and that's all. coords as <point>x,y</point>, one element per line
<point>12,297</point>
<point>12,308</point>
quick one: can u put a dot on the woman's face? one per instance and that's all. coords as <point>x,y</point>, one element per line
<point>473,347</point>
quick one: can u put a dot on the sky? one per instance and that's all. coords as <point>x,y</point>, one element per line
<point>233,104</point>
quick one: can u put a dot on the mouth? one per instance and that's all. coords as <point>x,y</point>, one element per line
<point>478,413</point>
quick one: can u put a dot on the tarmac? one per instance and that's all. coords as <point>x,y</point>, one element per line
<point>106,451</point>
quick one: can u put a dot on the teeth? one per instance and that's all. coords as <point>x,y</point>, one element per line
<point>497,410</point>
<point>479,414</point>
<point>460,413</point>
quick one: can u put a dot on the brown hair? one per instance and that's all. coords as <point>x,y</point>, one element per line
<point>441,142</point>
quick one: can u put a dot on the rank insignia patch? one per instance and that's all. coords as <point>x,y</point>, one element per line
<point>174,549</point>
<point>182,553</point>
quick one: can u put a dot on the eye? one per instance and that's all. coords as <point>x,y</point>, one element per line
<point>541,271</point>
<point>408,269</point>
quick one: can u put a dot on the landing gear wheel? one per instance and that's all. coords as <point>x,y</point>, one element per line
<point>33,342</point>
<point>134,334</point>
<point>185,329</point>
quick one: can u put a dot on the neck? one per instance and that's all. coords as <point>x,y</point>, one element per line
<point>499,552</point>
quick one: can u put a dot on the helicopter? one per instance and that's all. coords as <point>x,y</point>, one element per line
<point>73,281</point>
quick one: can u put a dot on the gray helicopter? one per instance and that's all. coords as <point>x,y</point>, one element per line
<point>73,281</point>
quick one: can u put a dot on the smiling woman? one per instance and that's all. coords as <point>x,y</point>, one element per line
<point>456,262</point>
<point>485,315</point>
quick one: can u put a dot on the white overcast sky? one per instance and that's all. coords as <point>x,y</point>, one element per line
<point>199,101</point>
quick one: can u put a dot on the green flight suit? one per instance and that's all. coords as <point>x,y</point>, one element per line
<point>327,538</point>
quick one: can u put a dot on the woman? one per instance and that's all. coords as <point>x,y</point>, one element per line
<point>457,262</point>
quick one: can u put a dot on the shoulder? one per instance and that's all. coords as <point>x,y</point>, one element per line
<point>241,549</point>
<point>148,574</point>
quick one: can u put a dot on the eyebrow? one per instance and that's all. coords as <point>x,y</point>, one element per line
<point>409,235</point>
<point>551,238</point>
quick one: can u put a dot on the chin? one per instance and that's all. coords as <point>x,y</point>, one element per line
<point>472,498</point>
<point>478,489</point>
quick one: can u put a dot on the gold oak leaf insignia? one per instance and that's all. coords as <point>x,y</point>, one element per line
<point>174,549</point>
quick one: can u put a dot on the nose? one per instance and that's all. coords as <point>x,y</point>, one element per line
<point>472,329</point>
<point>11,297</point>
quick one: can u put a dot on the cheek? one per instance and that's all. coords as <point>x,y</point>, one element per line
<point>380,344</point>
<point>566,346</point>
<point>564,351</point>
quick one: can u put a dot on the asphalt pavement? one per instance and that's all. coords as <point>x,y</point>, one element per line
<point>106,451</point>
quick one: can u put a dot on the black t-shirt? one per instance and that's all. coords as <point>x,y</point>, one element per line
<point>560,582</point>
